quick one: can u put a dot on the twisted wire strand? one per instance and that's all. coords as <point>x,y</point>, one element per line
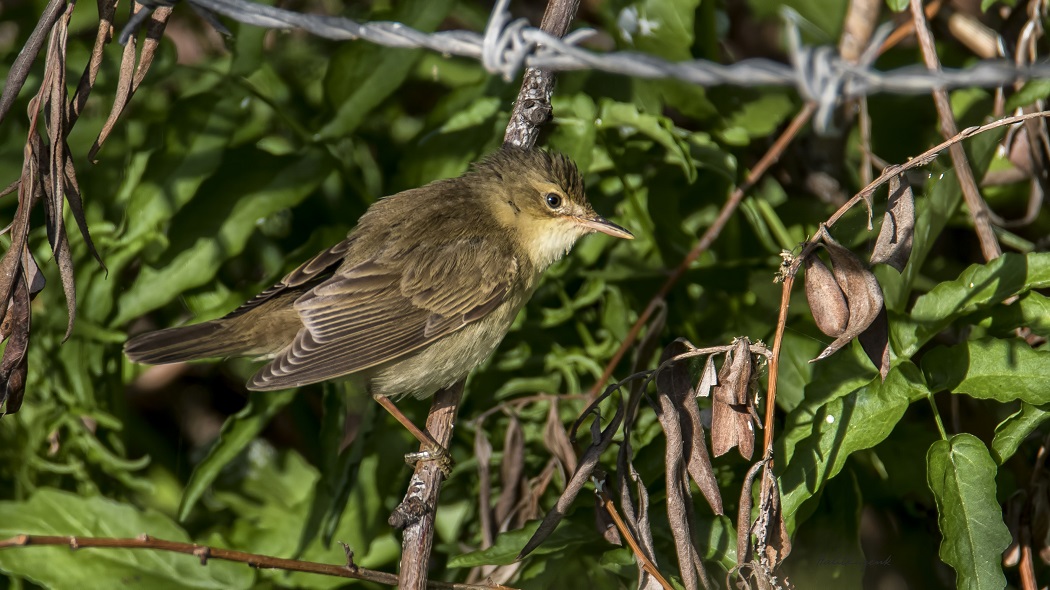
<point>508,45</point>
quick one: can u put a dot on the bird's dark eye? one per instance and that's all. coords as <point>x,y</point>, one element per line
<point>553,200</point>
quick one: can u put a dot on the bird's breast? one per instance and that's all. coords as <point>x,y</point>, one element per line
<point>446,360</point>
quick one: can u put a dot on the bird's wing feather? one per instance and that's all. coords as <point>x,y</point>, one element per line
<point>389,306</point>
<point>311,270</point>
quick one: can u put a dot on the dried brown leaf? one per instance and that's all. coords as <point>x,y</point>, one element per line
<point>512,469</point>
<point>603,521</point>
<point>876,343</point>
<point>863,294</point>
<point>673,383</point>
<point>893,246</point>
<point>483,455</point>
<point>708,379</point>
<point>698,462</point>
<point>735,377</point>
<point>130,76</point>
<point>556,440</point>
<point>826,300</point>
<point>14,365</point>
<point>107,9</point>
<point>771,535</point>
<point>23,63</point>
<point>731,426</point>
<point>575,484</point>
<point>731,417</point>
<point>743,515</point>
<point>676,383</point>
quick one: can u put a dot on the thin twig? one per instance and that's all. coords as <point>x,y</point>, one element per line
<point>204,553</point>
<point>417,511</point>
<point>625,532</point>
<point>974,202</point>
<point>712,233</point>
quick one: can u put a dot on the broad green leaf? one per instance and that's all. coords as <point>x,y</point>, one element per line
<point>54,512</point>
<point>1031,310</point>
<point>574,130</point>
<point>897,5</point>
<point>217,227</point>
<point>1003,370</point>
<point>826,553</point>
<point>961,474</point>
<point>819,438</point>
<point>362,75</point>
<point>1010,433</point>
<point>1033,90</point>
<point>189,153</point>
<point>660,27</point>
<point>239,430</point>
<point>978,287</point>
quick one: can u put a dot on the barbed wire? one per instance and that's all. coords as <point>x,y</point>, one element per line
<point>508,45</point>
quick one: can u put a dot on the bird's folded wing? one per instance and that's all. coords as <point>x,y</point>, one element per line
<point>311,270</point>
<point>387,307</point>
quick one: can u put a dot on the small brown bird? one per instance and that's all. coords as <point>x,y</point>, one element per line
<point>419,293</point>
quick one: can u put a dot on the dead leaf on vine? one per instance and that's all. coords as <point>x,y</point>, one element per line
<point>732,421</point>
<point>893,246</point>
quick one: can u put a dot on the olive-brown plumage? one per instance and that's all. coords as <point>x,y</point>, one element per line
<point>418,294</point>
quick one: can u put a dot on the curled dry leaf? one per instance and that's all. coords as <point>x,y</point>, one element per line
<point>863,294</point>
<point>675,383</point>
<point>604,523</point>
<point>893,247</point>
<point>556,440</point>
<point>14,365</point>
<point>708,379</point>
<point>732,420</point>
<point>601,439</point>
<point>876,343</point>
<point>772,540</point>
<point>826,300</point>
<point>512,471</point>
<point>483,455</point>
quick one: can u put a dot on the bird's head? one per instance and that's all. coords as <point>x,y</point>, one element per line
<point>539,198</point>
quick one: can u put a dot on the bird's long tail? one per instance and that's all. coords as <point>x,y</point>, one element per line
<point>200,341</point>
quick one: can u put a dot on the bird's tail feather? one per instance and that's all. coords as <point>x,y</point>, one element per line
<point>200,341</point>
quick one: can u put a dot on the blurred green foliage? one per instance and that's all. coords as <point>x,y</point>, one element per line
<point>239,158</point>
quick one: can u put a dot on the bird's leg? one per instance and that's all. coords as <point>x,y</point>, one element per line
<point>432,450</point>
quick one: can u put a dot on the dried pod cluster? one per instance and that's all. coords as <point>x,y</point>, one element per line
<point>846,300</point>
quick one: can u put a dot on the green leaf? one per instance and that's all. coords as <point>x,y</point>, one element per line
<point>978,287</point>
<point>1003,370</point>
<point>215,229</point>
<point>1010,433</point>
<point>899,5</point>
<point>239,430</point>
<point>1032,91</point>
<point>961,474</point>
<point>819,438</point>
<point>660,27</point>
<point>362,75</point>
<point>628,120</point>
<point>54,512</point>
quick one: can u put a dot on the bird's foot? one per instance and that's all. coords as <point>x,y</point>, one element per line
<point>433,452</point>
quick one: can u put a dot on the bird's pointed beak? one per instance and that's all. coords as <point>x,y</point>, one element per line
<point>599,223</point>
